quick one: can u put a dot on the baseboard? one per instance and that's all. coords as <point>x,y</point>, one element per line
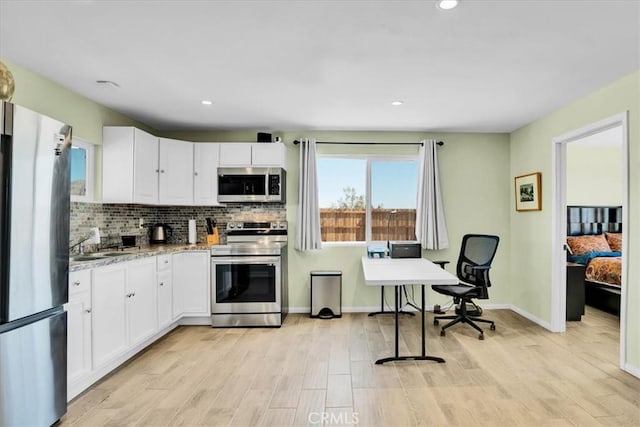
<point>633,370</point>
<point>374,308</point>
<point>307,310</point>
<point>531,317</point>
<point>195,321</point>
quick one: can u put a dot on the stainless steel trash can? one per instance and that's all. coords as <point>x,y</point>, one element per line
<point>326,294</point>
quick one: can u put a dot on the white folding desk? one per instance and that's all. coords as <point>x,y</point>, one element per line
<point>405,271</point>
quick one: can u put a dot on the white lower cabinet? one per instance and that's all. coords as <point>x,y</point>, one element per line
<point>142,300</point>
<point>124,307</point>
<point>191,284</point>
<point>116,310</point>
<point>165,291</point>
<point>109,322</point>
<point>79,327</point>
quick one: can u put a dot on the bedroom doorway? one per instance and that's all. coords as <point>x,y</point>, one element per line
<point>594,134</point>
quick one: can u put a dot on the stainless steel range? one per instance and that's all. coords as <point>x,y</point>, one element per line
<point>249,275</point>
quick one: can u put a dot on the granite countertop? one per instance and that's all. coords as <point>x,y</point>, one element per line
<point>133,253</point>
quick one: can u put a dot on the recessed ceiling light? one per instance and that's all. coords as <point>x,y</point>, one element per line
<point>397,103</point>
<point>447,4</point>
<point>206,102</point>
<point>107,83</point>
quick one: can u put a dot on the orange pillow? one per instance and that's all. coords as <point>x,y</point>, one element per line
<point>581,245</point>
<point>615,241</point>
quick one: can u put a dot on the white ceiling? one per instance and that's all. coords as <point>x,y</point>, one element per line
<point>487,66</point>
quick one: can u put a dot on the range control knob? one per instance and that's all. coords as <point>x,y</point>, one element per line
<point>274,225</point>
<point>232,225</point>
<point>282,225</point>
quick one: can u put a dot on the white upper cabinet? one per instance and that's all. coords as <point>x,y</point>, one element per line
<point>235,154</point>
<point>206,158</point>
<point>138,167</point>
<point>273,154</point>
<point>129,165</point>
<point>145,169</point>
<point>176,172</point>
<point>250,154</point>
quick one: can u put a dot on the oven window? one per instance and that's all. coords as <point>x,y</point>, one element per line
<point>245,283</point>
<point>250,185</point>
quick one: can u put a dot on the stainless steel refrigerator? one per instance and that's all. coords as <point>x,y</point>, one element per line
<point>34,267</point>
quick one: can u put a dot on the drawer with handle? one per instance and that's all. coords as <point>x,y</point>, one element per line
<point>164,262</point>
<point>79,281</point>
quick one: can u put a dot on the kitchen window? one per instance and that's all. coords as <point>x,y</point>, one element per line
<point>82,170</point>
<point>367,198</point>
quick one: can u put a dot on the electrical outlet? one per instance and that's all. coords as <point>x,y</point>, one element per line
<point>141,223</point>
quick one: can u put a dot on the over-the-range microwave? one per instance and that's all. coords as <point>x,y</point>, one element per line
<point>251,185</point>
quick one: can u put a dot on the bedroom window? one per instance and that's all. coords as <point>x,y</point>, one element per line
<point>367,198</point>
<point>82,173</point>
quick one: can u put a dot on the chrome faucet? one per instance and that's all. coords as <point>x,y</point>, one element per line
<point>94,236</point>
<point>79,245</point>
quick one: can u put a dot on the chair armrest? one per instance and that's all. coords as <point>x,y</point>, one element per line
<point>441,263</point>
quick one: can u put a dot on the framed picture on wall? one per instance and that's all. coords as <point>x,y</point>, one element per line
<point>528,195</point>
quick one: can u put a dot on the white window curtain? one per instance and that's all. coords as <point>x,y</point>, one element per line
<point>308,235</point>
<point>431,228</point>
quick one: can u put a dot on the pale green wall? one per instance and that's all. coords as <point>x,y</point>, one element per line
<point>531,234</point>
<point>594,175</point>
<point>474,172</point>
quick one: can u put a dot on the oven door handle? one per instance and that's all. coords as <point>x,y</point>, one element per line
<point>245,259</point>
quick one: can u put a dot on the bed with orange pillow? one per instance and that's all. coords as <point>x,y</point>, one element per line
<point>600,250</point>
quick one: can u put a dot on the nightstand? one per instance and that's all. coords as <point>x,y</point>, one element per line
<point>575,291</point>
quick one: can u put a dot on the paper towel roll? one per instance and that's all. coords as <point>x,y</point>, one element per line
<point>192,231</point>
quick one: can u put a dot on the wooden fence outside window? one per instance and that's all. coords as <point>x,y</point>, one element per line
<point>348,225</point>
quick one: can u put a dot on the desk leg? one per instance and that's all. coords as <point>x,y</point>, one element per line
<point>382,311</point>
<point>396,290</point>
<point>423,356</point>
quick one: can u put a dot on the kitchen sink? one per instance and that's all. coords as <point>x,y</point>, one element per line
<point>95,256</point>
<point>85,258</point>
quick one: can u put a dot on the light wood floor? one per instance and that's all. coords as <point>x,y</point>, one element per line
<point>311,368</point>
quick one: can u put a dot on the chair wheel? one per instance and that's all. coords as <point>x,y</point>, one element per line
<point>481,337</point>
<point>492,327</point>
<point>442,333</point>
<point>435,322</point>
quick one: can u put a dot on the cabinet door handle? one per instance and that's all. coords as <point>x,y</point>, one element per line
<point>76,283</point>
<point>157,170</point>
<point>88,310</point>
<point>161,283</point>
<point>195,173</point>
<point>131,294</point>
<point>166,261</point>
<point>161,170</point>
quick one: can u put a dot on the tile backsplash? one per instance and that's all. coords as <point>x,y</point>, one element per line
<point>116,220</point>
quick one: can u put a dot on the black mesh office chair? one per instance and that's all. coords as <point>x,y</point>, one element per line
<point>474,262</point>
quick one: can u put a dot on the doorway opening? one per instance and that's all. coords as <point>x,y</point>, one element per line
<point>614,131</point>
